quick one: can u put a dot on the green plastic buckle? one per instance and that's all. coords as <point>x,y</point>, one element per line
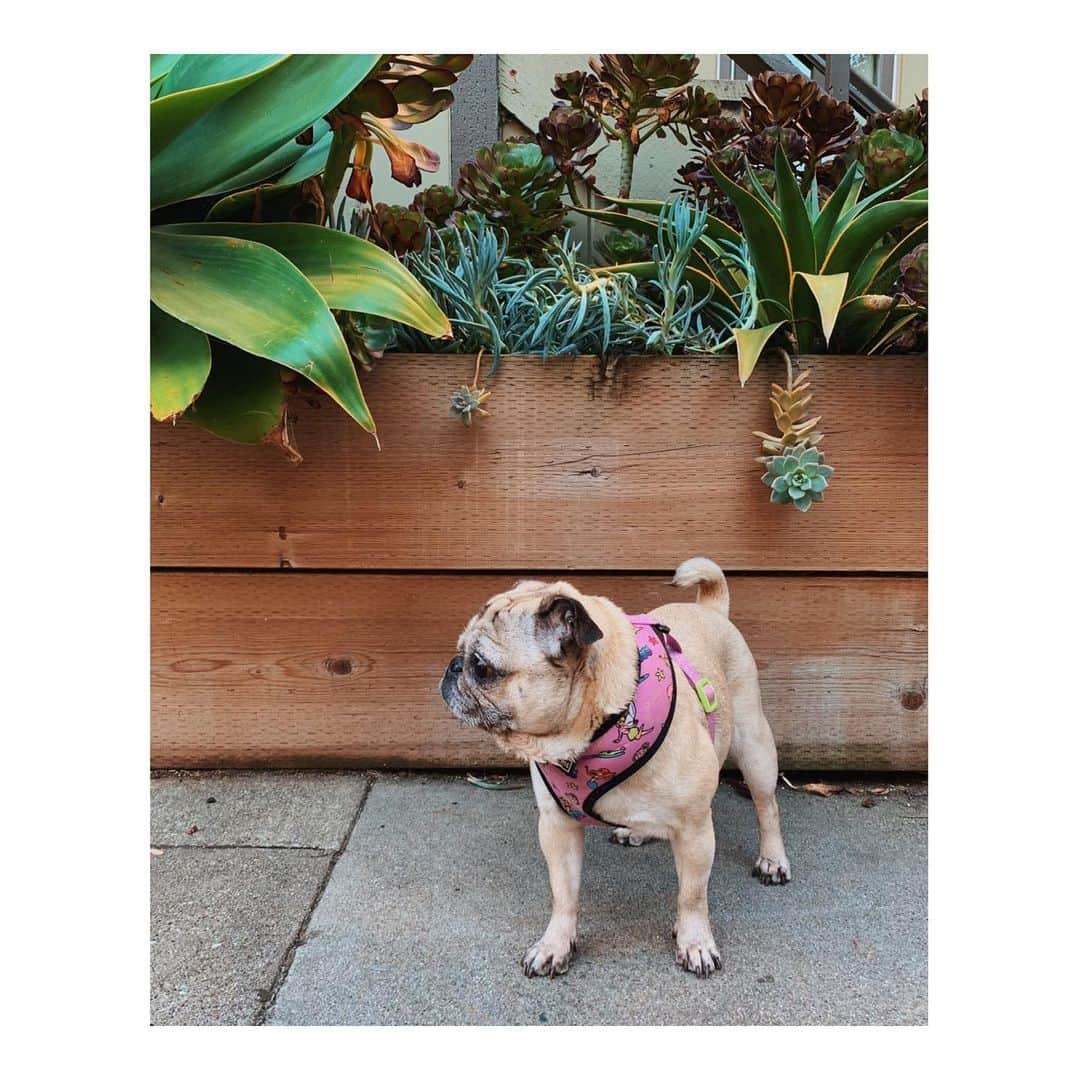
<point>702,688</point>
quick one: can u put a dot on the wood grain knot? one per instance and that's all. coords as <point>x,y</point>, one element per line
<point>339,665</point>
<point>912,699</point>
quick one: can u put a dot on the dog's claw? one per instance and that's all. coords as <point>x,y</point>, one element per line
<point>698,960</point>
<point>771,872</point>
<point>540,959</point>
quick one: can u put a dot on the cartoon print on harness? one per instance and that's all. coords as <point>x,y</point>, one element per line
<point>627,725</point>
<point>643,654</point>
<point>568,802</point>
<point>598,777</point>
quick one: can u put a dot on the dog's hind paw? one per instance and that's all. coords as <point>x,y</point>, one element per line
<point>772,871</point>
<point>627,838</point>
<point>544,958</point>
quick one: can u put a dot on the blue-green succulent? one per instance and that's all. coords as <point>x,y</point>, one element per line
<point>799,475</point>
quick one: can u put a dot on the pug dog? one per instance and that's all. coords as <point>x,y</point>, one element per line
<point>541,666</point>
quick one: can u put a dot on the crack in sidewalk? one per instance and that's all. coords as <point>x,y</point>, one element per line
<point>285,966</point>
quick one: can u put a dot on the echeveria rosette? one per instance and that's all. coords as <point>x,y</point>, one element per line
<point>467,402</point>
<point>799,475</point>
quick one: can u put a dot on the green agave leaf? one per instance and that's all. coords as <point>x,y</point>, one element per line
<point>351,274</point>
<point>179,364</point>
<point>253,297</point>
<point>877,264</point>
<point>762,194</point>
<point>749,344</point>
<point>830,212</point>
<point>179,105</point>
<point>647,271</point>
<point>161,64</point>
<point>246,127</point>
<point>714,227</point>
<point>193,71</point>
<point>811,200</point>
<point>798,231</point>
<point>765,238</point>
<point>828,292</point>
<point>244,397</point>
<point>857,239</point>
<point>794,219</point>
<point>860,321</point>
<point>288,164</point>
<point>859,206</point>
<point>891,332</point>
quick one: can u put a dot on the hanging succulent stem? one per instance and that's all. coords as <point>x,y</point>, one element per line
<point>795,470</point>
<point>468,401</point>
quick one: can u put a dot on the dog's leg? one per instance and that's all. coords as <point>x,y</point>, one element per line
<point>693,846</point>
<point>563,842</point>
<point>753,749</point>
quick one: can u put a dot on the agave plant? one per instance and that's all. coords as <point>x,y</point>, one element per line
<point>823,271</point>
<point>518,187</point>
<point>228,296</point>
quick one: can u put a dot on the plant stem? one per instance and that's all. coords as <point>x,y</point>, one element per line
<point>626,167</point>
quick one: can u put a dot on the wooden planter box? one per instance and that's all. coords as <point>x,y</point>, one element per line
<point>302,616</point>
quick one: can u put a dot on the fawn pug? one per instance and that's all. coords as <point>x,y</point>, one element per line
<point>557,678</point>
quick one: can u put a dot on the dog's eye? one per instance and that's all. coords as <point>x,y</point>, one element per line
<point>481,669</point>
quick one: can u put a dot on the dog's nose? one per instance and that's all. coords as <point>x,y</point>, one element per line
<point>455,666</point>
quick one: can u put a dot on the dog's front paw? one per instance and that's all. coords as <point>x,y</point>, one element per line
<point>697,954</point>
<point>548,958</point>
<point>772,871</point>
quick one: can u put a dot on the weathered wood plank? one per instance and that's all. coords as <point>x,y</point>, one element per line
<point>342,669</point>
<point>573,471</point>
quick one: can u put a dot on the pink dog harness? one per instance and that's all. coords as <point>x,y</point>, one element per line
<point>626,741</point>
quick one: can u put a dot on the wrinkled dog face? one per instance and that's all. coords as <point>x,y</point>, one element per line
<point>520,661</point>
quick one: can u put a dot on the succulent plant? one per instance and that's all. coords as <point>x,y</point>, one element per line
<point>795,470</point>
<point>828,125</point>
<point>798,476</point>
<point>517,187</point>
<point>914,281</point>
<point>620,246</point>
<point>402,90</point>
<point>398,229</point>
<point>887,155</point>
<point>565,135</point>
<point>814,129</point>
<point>436,203</point>
<point>468,401</point>
<point>777,98</point>
<point>789,407</point>
<point>633,96</point>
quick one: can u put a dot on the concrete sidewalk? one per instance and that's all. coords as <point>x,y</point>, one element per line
<point>383,898</point>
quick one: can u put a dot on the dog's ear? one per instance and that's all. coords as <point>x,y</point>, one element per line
<point>563,625</point>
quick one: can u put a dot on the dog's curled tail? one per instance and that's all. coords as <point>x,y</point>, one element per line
<point>710,580</point>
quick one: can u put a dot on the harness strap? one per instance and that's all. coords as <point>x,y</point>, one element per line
<point>706,694</point>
